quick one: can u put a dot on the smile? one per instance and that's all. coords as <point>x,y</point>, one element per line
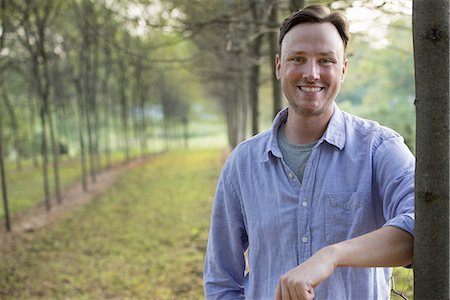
<point>310,89</point>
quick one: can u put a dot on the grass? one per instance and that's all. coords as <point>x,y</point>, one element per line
<point>143,239</point>
<point>25,187</point>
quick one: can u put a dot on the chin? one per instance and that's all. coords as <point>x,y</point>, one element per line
<point>311,110</point>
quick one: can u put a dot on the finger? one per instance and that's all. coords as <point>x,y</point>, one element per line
<point>278,295</point>
<point>285,294</point>
<point>303,292</point>
<point>310,292</point>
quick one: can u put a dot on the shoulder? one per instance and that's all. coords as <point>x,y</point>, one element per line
<point>249,151</point>
<point>368,130</point>
<point>252,148</point>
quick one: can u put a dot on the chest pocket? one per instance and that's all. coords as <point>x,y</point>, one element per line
<point>344,215</point>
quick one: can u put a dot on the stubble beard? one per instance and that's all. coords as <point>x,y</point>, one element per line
<point>301,112</point>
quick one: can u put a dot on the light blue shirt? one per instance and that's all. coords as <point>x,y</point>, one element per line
<point>359,177</point>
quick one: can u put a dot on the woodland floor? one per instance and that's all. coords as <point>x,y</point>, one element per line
<point>74,197</point>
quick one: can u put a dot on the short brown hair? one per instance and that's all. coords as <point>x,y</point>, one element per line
<point>317,14</point>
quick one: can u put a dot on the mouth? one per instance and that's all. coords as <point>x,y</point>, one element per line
<point>311,89</point>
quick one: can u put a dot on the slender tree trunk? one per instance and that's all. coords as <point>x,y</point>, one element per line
<point>88,118</point>
<point>55,153</point>
<point>2,162</point>
<point>241,109</point>
<point>48,115</point>
<point>95,112</point>
<point>31,127</point>
<point>44,151</point>
<point>3,180</point>
<point>273,50</point>
<point>15,129</point>
<point>81,122</point>
<point>431,56</point>
<point>255,56</point>
<point>124,109</point>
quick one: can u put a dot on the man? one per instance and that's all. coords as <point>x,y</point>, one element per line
<point>323,202</point>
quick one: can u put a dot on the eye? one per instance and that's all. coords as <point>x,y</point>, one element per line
<point>325,61</point>
<point>297,59</point>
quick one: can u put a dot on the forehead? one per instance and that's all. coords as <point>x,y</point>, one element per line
<point>313,37</point>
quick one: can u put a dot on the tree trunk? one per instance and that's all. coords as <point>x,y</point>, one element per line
<point>124,108</point>
<point>277,98</point>
<point>55,153</point>
<point>3,180</point>
<point>81,122</point>
<point>46,110</point>
<point>15,129</point>
<point>2,162</point>
<point>431,56</point>
<point>31,127</point>
<point>255,56</point>
<point>44,151</point>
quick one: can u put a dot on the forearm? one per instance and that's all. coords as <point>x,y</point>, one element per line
<point>386,247</point>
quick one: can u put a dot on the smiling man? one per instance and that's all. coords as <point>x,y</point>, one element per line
<point>323,201</point>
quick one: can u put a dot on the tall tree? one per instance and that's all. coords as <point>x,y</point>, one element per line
<point>258,17</point>
<point>34,20</point>
<point>4,185</point>
<point>273,24</point>
<point>432,186</point>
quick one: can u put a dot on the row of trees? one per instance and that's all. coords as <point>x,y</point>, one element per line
<point>90,77</point>
<point>76,76</point>
<point>238,41</point>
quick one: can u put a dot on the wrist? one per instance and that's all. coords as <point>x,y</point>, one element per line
<point>334,254</point>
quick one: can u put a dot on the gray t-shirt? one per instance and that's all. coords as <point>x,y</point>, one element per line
<point>295,156</point>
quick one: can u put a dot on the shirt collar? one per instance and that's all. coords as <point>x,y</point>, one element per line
<point>334,134</point>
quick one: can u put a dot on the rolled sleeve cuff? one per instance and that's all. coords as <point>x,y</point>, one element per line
<point>404,221</point>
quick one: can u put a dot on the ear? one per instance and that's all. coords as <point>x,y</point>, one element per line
<point>344,69</point>
<point>278,66</point>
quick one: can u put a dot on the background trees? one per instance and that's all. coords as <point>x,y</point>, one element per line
<point>101,81</point>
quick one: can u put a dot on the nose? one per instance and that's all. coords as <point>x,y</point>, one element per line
<point>311,72</point>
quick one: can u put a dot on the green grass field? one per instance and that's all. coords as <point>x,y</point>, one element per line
<point>143,239</point>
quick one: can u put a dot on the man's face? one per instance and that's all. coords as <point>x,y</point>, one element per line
<point>311,67</point>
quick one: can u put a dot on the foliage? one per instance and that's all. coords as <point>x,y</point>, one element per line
<point>379,84</point>
<point>143,239</point>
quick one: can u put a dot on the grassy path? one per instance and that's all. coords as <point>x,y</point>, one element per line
<point>143,239</point>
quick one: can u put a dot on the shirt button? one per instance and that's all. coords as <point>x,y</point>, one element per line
<point>290,175</point>
<point>304,239</point>
<point>304,204</point>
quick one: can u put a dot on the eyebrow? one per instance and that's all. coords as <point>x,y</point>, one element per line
<point>327,53</point>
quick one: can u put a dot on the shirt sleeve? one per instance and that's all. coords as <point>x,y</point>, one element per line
<point>224,260</point>
<point>395,167</point>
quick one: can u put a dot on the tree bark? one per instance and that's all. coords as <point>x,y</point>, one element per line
<point>431,56</point>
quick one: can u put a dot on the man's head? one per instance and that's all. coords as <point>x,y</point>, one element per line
<point>317,14</point>
<point>311,64</point>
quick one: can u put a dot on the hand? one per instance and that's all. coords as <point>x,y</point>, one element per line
<point>299,283</point>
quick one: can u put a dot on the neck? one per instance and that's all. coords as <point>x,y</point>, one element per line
<point>301,129</point>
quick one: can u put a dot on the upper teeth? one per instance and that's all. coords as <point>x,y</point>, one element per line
<point>310,89</point>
